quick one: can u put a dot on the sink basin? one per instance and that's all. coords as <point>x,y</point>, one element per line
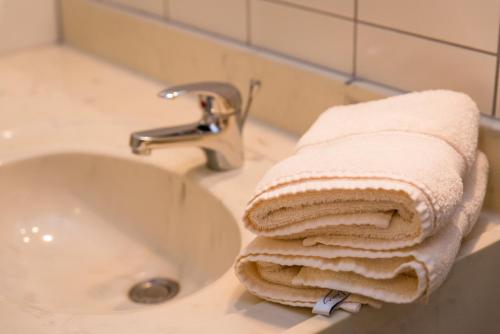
<point>77,231</point>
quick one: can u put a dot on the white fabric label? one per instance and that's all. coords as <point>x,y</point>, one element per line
<point>327,304</point>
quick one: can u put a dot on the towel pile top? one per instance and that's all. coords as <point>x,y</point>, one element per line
<point>375,201</point>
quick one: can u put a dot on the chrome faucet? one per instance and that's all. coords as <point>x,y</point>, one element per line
<point>218,132</point>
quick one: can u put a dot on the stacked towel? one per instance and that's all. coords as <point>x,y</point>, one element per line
<point>374,202</point>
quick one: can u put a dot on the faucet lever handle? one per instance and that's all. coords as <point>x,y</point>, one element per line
<point>215,97</point>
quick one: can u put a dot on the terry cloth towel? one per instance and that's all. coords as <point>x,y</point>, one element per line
<point>287,272</point>
<point>377,175</point>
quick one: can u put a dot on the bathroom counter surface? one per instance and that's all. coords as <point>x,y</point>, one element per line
<point>56,99</point>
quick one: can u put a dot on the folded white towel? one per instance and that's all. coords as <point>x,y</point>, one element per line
<point>286,271</point>
<point>378,175</point>
<point>375,202</point>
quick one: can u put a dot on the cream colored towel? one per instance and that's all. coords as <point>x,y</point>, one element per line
<point>378,175</point>
<point>286,271</point>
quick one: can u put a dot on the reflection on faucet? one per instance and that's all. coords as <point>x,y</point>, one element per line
<point>218,132</point>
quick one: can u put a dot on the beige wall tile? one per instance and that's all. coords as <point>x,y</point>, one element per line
<point>292,96</point>
<point>223,17</point>
<point>412,63</point>
<point>313,37</point>
<point>339,7</point>
<point>155,7</point>
<point>472,23</point>
<point>25,23</point>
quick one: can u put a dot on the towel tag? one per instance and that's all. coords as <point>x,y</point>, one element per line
<point>327,304</point>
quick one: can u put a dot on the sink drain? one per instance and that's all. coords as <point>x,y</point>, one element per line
<point>154,291</point>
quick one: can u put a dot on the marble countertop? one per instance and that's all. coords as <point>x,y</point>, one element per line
<point>56,99</point>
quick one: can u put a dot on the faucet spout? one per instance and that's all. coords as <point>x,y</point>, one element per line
<point>218,133</point>
<point>142,142</point>
<point>221,141</point>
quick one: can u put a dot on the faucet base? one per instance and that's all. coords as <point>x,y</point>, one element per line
<point>218,161</point>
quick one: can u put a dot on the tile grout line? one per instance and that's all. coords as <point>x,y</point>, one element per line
<point>308,9</point>
<point>239,43</point>
<point>428,38</point>
<point>393,89</point>
<point>356,20</point>
<point>355,42</point>
<point>249,23</point>
<point>299,61</point>
<point>497,68</point>
<point>166,10</point>
<point>59,22</point>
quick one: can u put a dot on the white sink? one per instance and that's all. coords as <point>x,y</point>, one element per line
<point>78,230</point>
